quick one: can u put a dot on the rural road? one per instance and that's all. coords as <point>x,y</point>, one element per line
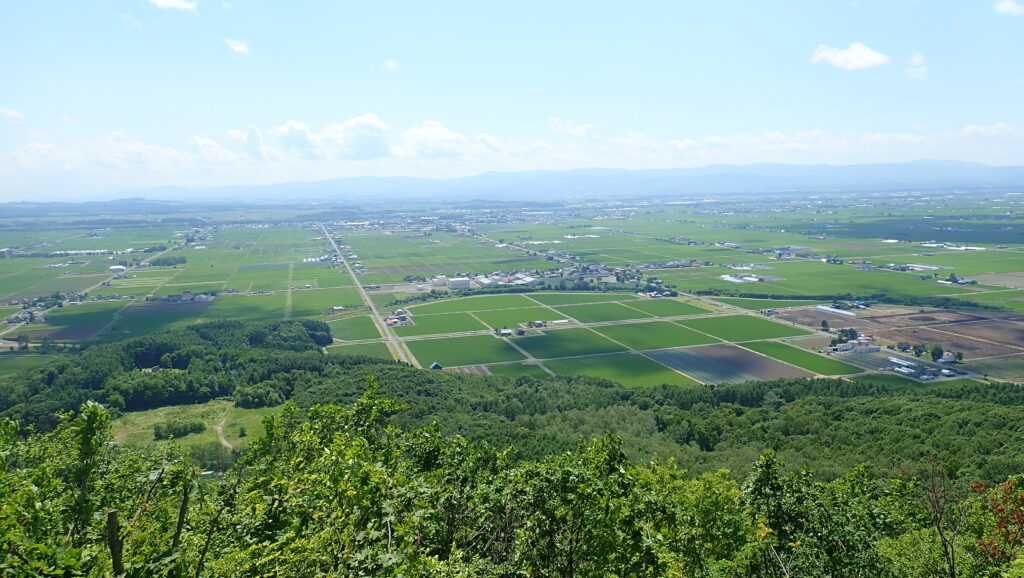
<point>397,347</point>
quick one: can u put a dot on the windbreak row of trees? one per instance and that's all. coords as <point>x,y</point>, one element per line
<point>341,491</point>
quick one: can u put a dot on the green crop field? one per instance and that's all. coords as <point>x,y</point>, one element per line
<point>742,328</point>
<point>518,369</point>
<point>440,323</point>
<point>511,318</point>
<point>597,312</point>
<point>566,343</point>
<point>248,307</point>
<point>628,369</point>
<point>354,328</point>
<point>810,361</point>
<point>455,351</point>
<point>654,335</point>
<point>313,302</point>
<point>482,303</point>
<point>368,349</point>
<point>580,298</point>
<point>666,307</point>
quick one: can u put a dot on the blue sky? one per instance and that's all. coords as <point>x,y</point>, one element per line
<point>103,95</point>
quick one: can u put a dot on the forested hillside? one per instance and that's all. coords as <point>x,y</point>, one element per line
<point>341,491</point>
<point>827,425</point>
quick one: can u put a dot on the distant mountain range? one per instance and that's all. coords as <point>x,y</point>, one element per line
<point>621,183</point>
<point>576,185</point>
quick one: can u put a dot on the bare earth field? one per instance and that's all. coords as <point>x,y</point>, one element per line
<point>950,340</point>
<point>725,363</point>
<point>1013,280</point>
<point>929,317</point>
<point>812,317</point>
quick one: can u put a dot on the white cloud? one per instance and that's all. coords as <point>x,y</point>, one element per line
<point>237,46</point>
<point>988,131</point>
<point>1008,7</point>
<point>917,68</point>
<point>359,138</point>
<point>391,65</point>
<point>66,118</point>
<point>856,57</point>
<point>209,151</point>
<point>11,113</point>
<point>185,5</point>
<point>571,128</point>
<point>297,137</point>
<point>432,140</point>
<point>130,21</point>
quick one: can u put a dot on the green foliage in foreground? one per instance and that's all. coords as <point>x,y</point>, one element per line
<point>339,491</point>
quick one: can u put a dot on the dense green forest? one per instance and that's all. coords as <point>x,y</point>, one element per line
<point>375,467</point>
<point>341,491</point>
<point>828,425</point>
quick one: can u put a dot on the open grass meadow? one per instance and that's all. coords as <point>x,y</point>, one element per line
<point>739,328</point>
<point>136,428</point>
<point>455,351</point>
<point>804,359</point>
<point>15,362</point>
<point>628,369</point>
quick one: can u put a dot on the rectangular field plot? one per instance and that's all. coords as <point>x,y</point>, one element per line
<point>368,349</point>
<point>441,323</point>
<point>759,304</point>
<point>145,318</point>
<point>810,361</point>
<point>313,302</point>
<point>483,303</point>
<point>666,307</point>
<point>455,351</point>
<point>62,284</point>
<point>654,335</point>
<point>725,364</point>
<point>579,298</point>
<point>516,369</point>
<point>82,321</point>
<point>742,328</point>
<point>596,312</point>
<point>511,318</point>
<point>11,364</point>
<point>247,307</point>
<point>354,328</point>
<point>626,368</point>
<point>567,343</point>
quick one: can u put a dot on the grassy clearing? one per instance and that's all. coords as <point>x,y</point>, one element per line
<point>580,298</point>
<point>666,307</point>
<point>654,335</point>
<point>597,312</point>
<point>16,362</point>
<point>136,428</point>
<point>442,323</point>
<point>566,343</point>
<point>628,369</point>
<point>481,303</point>
<point>457,351</point>
<point>810,361</point>
<point>738,328</point>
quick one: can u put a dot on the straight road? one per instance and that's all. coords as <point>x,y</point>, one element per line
<point>397,347</point>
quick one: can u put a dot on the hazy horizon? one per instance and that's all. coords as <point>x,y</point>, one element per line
<point>101,97</point>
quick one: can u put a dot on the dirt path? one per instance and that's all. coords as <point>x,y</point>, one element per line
<point>219,427</point>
